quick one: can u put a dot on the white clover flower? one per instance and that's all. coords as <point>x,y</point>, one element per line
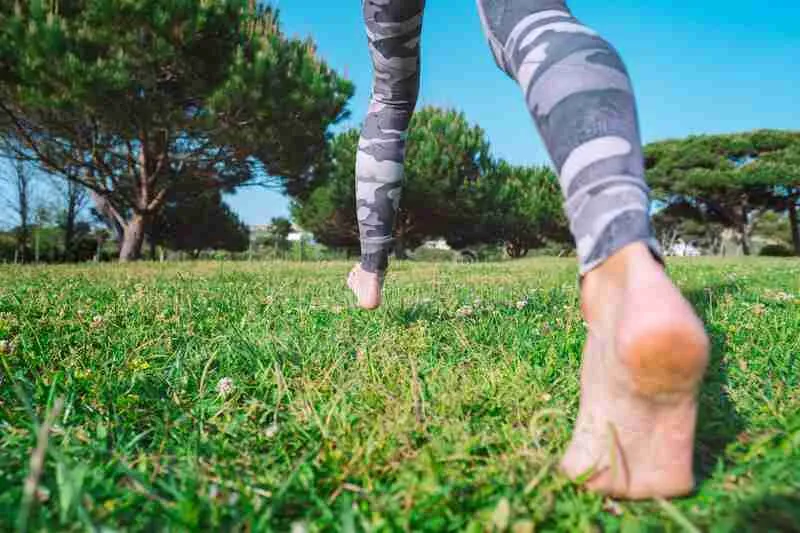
<point>465,311</point>
<point>6,347</point>
<point>42,494</point>
<point>225,386</point>
<point>521,304</point>
<point>299,527</point>
<point>271,430</point>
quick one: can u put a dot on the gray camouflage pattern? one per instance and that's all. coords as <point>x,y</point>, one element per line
<point>577,90</point>
<point>393,32</point>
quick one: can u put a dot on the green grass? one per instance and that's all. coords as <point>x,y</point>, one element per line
<point>426,415</point>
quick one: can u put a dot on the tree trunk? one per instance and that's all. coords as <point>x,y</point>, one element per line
<point>69,223</point>
<point>795,224</point>
<point>23,192</point>
<point>132,239</point>
<point>105,209</point>
<point>400,251</point>
<point>403,226</point>
<point>744,228</point>
<point>69,232</point>
<point>516,249</point>
<point>21,252</point>
<point>745,242</point>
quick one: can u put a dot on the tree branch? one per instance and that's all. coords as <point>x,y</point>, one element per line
<point>156,202</point>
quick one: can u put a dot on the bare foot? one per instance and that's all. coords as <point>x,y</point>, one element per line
<point>367,287</point>
<point>643,362</point>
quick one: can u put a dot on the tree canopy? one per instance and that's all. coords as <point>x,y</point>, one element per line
<point>453,189</point>
<point>136,99</point>
<point>525,208</point>
<point>199,223</point>
<point>444,155</point>
<point>730,177</point>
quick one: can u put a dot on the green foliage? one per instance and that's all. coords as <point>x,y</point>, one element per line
<point>692,223</point>
<point>329,210</point>
<point>776,250</point>
<point>445,155</point>
<point>49,240</point>
<point>446,158</point>
<point>280,228</point>
<point>452,189</point>
<point>417,417</point>
<point>774,227</point>
<point>199,223</point>
<point>277,236</point>
<point>525,208</point>
<point>732,177</point>
<point>138,99</point>
<point>763,158</point>
<point>8,245</point>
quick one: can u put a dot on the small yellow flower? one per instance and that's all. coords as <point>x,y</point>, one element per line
<point>138,364</point>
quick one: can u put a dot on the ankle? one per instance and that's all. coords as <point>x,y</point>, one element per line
<point>375,263</point>
<point>602,286</point>
<point>631,258</point>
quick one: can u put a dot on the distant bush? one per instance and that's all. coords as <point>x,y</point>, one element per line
<point>432,254</point>
<point>554,249</point>
<point>8,245</point>
<point>776,250</point>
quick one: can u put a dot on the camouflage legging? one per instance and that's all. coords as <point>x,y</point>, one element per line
<point>578,93</point>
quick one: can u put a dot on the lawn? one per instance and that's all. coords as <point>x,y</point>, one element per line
<point>250,396</point>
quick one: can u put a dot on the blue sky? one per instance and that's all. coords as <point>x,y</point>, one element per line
<point>697,67</point>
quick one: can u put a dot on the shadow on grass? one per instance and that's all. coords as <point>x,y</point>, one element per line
<point>773,512</point>
<point>409,314</point>
<point>718,423</point>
